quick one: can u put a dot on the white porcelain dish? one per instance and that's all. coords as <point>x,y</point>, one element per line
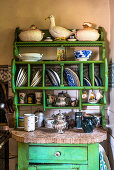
<point>30,56</point>
<point>74,39</point>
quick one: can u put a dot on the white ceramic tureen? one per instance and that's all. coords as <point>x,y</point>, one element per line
<point>88,33</point>
<point>31,34</point>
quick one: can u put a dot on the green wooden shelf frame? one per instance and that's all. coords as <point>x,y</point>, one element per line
<point>102,63</point>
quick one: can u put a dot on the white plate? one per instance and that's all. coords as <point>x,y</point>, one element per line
<point>71,39</point>
<point>37,55</point>
<point>30,59</point>
<point>37,81</point>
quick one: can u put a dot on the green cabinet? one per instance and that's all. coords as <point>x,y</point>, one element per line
<point>46,156</point>
<point>59,156</point>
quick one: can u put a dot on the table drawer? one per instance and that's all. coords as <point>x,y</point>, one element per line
<point>57,167</point>
<point>58,154</point>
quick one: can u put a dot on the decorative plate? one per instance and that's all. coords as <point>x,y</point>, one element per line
<point>71,77</point>
<point>86,82</point>
<point>99,80</point>
<point>51,77</point>
<point>56,76</point>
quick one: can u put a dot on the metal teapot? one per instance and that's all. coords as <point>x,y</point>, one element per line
<point>63,99</point>
<point>59,122</point>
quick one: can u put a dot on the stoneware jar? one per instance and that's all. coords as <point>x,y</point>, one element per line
<point>29,122</point>
<point>88,33</point>
<point>31,34</point>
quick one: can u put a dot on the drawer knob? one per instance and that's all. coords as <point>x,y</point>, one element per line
<point>57,154</point>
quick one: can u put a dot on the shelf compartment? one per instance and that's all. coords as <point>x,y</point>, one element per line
<point>74,71</point>
<point>33,70</point>
<point>18,74</point>
<point>88,75</point>
<point>70,97</point>
<point>52,72</point>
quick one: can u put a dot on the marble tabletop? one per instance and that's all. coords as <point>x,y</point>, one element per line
<point>72,136</point>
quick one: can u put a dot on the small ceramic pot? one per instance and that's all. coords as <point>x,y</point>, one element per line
<point>38,96</point>
<point>22,98</point>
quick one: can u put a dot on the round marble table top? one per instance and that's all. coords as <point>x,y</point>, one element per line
<point>72,136</point>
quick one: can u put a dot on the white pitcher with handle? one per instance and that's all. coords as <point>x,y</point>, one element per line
<point>29,122</point>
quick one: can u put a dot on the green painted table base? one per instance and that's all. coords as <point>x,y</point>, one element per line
<point>72,156</point>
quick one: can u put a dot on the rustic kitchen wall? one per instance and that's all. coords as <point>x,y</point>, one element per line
<point>70,14</point>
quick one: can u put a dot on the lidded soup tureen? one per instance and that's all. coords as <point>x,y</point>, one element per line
<point>59,123</point>
<point>31,34</point>
<point>88,33</point>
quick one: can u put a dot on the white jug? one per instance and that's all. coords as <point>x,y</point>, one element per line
<point>29,122</point>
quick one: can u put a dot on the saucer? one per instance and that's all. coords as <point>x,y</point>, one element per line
<point>71,39</point>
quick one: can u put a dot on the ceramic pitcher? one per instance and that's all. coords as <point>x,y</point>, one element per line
<point>29,122</point>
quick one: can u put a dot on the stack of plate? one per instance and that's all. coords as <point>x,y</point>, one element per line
<point>97,81</point>
<point>71,77</point>
<point>30,57</point>
<point>53,77</point>
<point>36,79</point>
<point>21,78</point>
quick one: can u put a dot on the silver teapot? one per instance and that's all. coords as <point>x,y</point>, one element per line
<point>59,122</point>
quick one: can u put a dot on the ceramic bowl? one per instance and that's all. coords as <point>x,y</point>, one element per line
<point>82,55</point>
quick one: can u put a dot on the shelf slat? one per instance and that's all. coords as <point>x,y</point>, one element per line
<point>61,88</point>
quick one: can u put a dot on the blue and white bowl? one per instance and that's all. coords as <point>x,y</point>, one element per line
<point>82,55</point>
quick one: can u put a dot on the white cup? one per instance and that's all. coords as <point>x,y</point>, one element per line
<point>29,122</point>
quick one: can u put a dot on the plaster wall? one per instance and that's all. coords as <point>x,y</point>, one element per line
<point>70,14</point>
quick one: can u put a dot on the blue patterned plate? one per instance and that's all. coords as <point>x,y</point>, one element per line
<point>71,77</point>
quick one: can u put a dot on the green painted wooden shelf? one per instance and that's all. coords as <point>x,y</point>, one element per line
<point>26,104</point>
<point>61,88</point>
<point>59,62</point>
<point>92,104</point>
<point>43,65</point>
<point>66,107</point>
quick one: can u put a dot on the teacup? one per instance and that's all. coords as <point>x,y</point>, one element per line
<point>99,96</point>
